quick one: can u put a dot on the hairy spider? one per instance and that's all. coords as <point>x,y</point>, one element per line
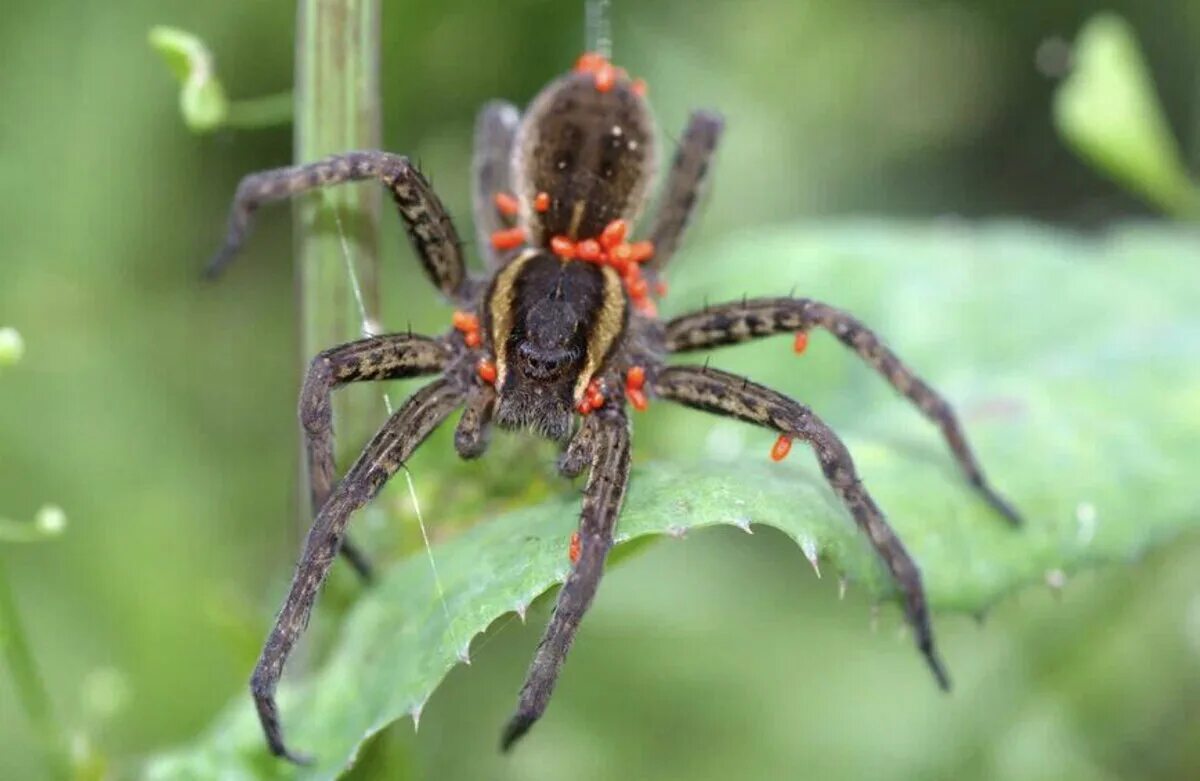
<point>558,338</point>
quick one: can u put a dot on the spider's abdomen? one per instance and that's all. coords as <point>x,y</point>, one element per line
<point>588,145</point>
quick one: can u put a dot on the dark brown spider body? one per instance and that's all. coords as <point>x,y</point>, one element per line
<point>552,324</point>
<point>562,337</point>
<point>592,152</point>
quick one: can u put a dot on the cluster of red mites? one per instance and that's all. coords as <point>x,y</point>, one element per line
<point>606,74</point>
<point>468,325</point>
<point>612,250</point>
<point>593,396</point>
<point>635,378</point>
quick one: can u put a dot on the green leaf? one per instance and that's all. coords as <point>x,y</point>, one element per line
<point>1108,111</point>
<point>202,99</point>
<point>1075,364</point>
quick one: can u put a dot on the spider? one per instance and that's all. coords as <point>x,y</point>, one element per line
<point>560,338</point>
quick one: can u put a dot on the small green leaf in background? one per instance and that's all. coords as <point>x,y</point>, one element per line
<point>202,99</point>
<point>1075,364</point>
<point>1108,111</point>
<point>12,346</point>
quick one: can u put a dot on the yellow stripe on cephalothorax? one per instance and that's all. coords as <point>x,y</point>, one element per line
<point>605,329</point>
<point>576,218</point>
<point>500,305</point>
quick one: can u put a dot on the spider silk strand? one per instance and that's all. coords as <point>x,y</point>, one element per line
<point>597,33</point>
<point>369,331</point>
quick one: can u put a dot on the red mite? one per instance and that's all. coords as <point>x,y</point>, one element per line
<point>508,238</point>
<point>487,371</point>
<point>506,204</point>
<point>574,548</point>
<point>593,398</point>
<point>635,378</point>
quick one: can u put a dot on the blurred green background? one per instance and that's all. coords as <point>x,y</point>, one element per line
<point>159,411</point>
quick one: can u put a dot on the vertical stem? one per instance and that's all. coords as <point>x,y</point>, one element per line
<point>1193,21</point>
<point>31,690</point>
<point>337,110</point>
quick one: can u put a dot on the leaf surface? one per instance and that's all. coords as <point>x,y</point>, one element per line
<point>1074,363</point>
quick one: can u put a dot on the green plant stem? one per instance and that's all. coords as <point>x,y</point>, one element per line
<point>31,691</point>
<point>337,110</point>
<point>265,111</point>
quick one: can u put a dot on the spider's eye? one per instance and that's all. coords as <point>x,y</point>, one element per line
<point>545,364</point>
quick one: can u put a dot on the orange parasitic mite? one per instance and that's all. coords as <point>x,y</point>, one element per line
<point>507,204</point>
<point>638,288</point>
<point>508,238</point>
<point>464,321</point>
<point>468,325</point>
<point>635,380</point>
<point>487,371</point>
<point>574,548</point>
<point>620,257</point>
<point>781,447</point>
<point>613,234</point>
<point>541,202</point>
<point>641,251</point>
<point>606,78</point>
<point>595,394</point>
<point>589,250</point>
<point>563,247</point>
<point>589,62</point>
<point>593,398</point>
<point>801,343</point>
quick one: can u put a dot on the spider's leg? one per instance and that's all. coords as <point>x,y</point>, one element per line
<point>727,394</point>
<point>475,426</point>
<point>685,185</point>
<point>385,454</point>
<point>386,357</point>
<point>745,320</point>
<point>428,223</point>
<point>495,129</point>
<point>579,452</point>
<point>601,504</point>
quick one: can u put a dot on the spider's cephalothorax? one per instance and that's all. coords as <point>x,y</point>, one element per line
<point>560,337</point>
